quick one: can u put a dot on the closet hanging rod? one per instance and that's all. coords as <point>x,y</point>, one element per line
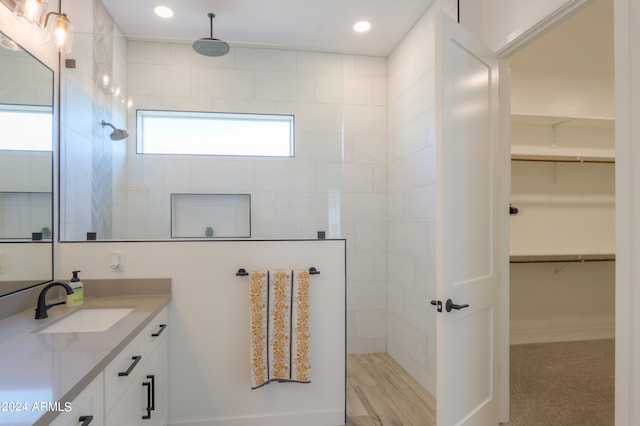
<point>565,160</point>
<point>563,259</point>
<point>243,272</point>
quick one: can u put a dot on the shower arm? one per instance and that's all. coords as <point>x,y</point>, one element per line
<point>104,123</point>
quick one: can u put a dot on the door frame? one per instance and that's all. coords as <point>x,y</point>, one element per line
<point>546,24</point>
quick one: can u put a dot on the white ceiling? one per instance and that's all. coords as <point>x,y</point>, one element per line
<point>315,25</point>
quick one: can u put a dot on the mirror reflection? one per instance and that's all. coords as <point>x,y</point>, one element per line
<point>26,120</point>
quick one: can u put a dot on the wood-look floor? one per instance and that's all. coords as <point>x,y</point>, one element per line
<point>380,392</point>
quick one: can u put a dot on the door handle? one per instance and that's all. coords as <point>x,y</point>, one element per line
<point>449,306</point>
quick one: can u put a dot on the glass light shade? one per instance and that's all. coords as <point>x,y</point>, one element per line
<point>60,33</point>
<point>31,10</point>
<point>8,44</point>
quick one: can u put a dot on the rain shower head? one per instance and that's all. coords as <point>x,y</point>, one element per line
<point>117,134</point>
<point>209,46</point>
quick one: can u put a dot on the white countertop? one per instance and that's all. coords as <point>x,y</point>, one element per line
<point>38,369</point>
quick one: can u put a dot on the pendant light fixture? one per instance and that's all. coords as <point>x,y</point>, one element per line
<point>209,46</point>
<point>31,10</point>
<point>59,30</point>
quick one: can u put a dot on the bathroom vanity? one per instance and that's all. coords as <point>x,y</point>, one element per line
<point>111,377</point>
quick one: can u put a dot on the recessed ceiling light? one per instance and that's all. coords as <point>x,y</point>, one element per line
<point>163,11</point>
<point>361,26</point>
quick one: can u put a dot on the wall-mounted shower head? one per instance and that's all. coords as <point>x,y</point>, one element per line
<point>210,46</point>
<point>117,134</point>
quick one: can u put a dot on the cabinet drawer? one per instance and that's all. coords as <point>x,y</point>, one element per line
<point>155,332</point>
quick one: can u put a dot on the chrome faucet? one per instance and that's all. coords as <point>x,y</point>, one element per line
<point>41,310</point>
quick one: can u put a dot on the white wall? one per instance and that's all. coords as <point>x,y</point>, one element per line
<point>209,326</point>
<point>553,302</point>
<point>537,92</point>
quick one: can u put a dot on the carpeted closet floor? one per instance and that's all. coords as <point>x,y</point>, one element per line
<point>563,384</point>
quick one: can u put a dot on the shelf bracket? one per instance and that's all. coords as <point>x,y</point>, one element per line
<point>554,128</point>
<point>558,267</point>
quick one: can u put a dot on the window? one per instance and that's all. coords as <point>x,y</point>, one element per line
<point>26,127</point>
<point>205,133</point>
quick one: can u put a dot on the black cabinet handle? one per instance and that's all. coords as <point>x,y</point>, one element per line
<point>136,359</point>
<point>153,390</point>
<point>148,415</point>
<point>85,420</point>
<point>162,327</point>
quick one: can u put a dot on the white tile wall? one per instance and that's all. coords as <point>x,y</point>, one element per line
<point>336,183</point>
<point>86,102</point>
<point>364,218</point>
<point>22,213</point>
<point>412,201</point>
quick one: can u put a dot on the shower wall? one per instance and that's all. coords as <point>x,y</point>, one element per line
<point>335,183</point>
<point>93,90</point>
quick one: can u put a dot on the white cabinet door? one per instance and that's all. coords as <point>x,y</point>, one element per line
<point>87,408</point>
<point>128,410</point>
<point>142,397</point>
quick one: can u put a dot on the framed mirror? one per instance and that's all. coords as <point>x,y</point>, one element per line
<point>26,161</point>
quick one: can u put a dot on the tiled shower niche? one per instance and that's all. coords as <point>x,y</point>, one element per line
<point>210,215</point>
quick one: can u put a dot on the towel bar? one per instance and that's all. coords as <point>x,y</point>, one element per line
<point>243,272</point>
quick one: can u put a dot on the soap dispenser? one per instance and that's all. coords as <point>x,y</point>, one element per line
<point>77,297</point>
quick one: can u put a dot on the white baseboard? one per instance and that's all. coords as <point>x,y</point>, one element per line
<point>310,418</point>
<point>523,336</point>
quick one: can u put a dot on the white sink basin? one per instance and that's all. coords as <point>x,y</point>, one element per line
<point>88,320</point>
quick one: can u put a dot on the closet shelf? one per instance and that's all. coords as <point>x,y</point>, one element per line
<point>555,258</point>
<point>571,155</point>
<point>557,120</point>
<point>566,139</point>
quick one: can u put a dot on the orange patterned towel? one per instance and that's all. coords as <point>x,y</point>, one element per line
<point>279,322</point>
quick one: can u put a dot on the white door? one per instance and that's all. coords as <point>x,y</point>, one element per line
<point>468,228</point>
